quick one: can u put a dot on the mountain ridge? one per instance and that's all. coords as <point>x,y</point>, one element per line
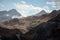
<point>41,13</point>
<point>24,24</point>
<point>7,15</point>
<point>48,28</point>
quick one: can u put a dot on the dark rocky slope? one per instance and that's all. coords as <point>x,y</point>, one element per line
<point>49,30</point>
<point>9,34</point>
<point>46,31</point>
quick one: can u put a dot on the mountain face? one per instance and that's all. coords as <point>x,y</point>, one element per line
<point>7,15</point>
<point>9,34</point>
<point>47,28</point>
<point>24,24</point>
<point>41,13</point>
<point>13,12</point>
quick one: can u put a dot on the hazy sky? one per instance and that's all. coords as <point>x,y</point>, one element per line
<point>29,7</point>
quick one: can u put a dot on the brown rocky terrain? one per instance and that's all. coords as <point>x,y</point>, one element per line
<point>24,24</point>
<point>32,28</point>
<point>49,30</point>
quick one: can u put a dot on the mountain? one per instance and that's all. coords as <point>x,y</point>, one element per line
<point>9,34</point>
<point>41,13</point>
<point>26,23</point>
<point>7,15</point>
<point>13,12</point>
<point>47,28</point>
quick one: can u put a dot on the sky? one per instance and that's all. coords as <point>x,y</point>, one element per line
<point>29,7</point>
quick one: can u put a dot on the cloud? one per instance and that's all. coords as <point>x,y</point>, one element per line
<point>7,15</point>
<point>17,17</point>
<point>46,8</point>
<point>55,4</point>
<point>52,4</point>
<point>1,6</point>
<point>56,0</point>
<point>29,9</point>
<point>23,2</point>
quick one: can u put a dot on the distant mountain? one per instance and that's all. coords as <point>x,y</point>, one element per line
<point>41,13</point>
<point>14,12</point>
<point>7,15</point>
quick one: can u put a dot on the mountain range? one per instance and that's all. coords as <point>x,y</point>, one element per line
<point>43,27</point>
<point>7,15</point>
<point>24,24</point>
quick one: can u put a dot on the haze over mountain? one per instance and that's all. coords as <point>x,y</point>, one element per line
<point>41,13</point>
<point>7,15</point>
